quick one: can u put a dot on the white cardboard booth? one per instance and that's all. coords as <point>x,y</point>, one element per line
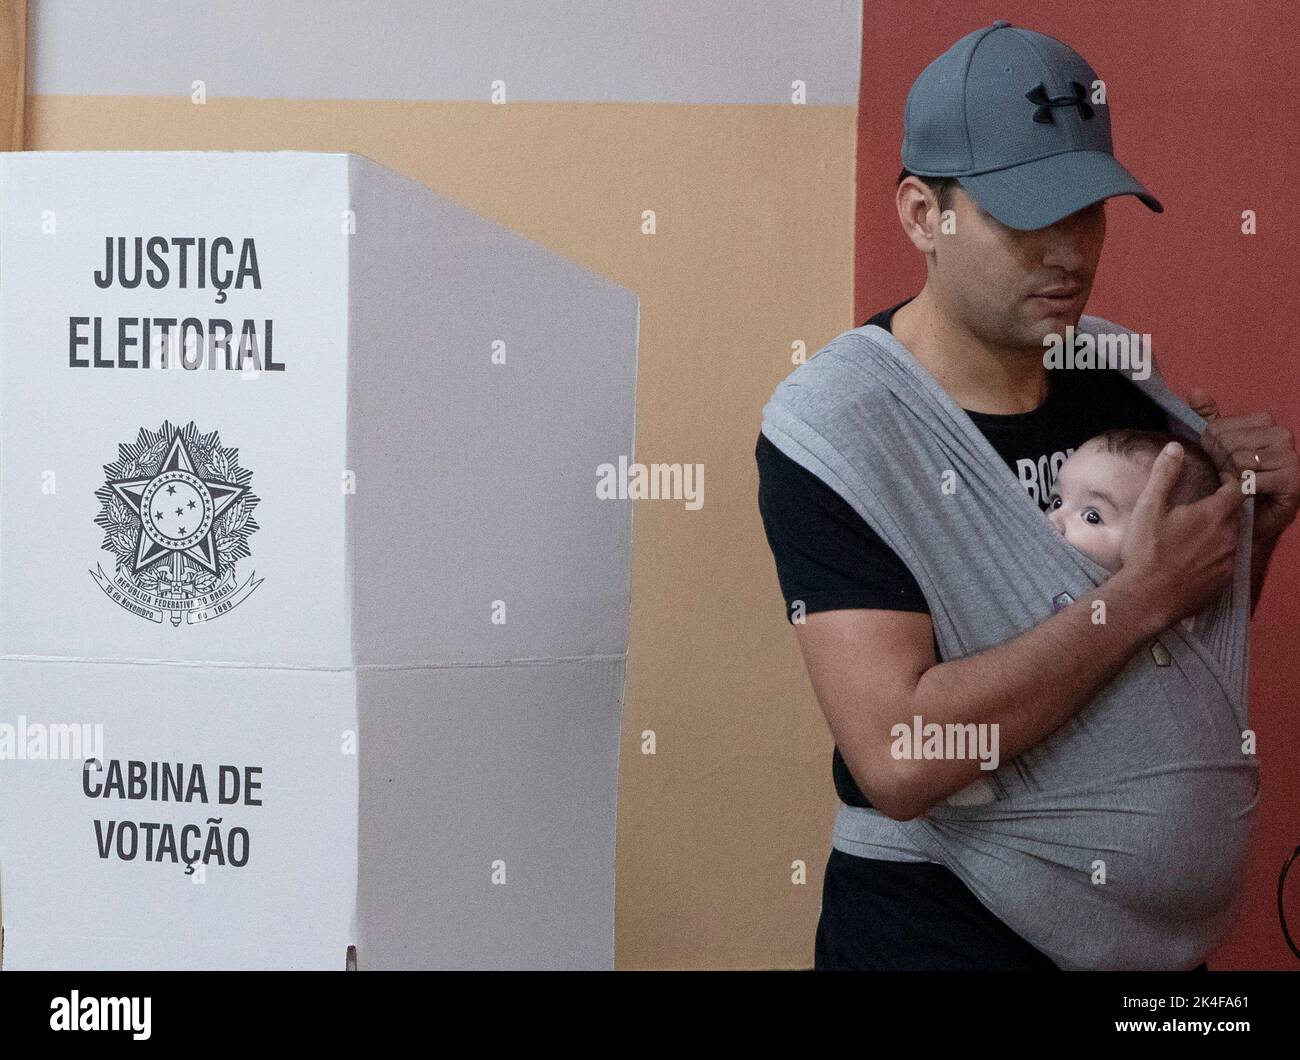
<point>312,624</point>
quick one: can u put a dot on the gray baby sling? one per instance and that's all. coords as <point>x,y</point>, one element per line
<point>1120,840</point>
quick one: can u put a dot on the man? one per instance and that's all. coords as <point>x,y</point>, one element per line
<point>1008,164</point>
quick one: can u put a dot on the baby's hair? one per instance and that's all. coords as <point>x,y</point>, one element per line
<point>1198,477</point>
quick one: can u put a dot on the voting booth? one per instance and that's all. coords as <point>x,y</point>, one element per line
<point>313,625</point>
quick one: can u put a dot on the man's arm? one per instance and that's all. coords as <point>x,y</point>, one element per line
<point>872,670</point>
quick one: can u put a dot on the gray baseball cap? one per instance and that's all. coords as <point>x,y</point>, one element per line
<point>1009,112</point>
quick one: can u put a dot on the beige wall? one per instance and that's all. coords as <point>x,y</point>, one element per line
<point>754,199</point>
<point>13,72</point>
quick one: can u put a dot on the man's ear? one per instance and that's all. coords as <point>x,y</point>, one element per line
<point>919,214</point>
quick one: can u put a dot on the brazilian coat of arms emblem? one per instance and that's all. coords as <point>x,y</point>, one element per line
<point>177,513</point>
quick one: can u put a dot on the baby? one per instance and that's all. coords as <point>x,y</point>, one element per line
<point>1098,486</point>
<point>1091,504</point>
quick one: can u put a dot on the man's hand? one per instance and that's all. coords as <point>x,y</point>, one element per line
<point>1182,556</point>
<point>1253,442</point>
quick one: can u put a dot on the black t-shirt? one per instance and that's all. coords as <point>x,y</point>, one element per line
<point>828,557</point>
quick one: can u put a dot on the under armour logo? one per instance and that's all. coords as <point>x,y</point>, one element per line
<point>1043,111</point>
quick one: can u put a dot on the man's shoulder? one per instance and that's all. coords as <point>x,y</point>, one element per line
<point>828,365</point>
<point>833,377</point>
<point>776,469</point>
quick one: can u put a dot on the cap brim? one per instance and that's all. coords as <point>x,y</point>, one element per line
<point>1040,193</point>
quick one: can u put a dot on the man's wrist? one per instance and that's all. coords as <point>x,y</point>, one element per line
<point>1137,603</point>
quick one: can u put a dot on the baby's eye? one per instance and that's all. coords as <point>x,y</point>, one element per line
<point>1091,515</point>
<point>1053,503</point>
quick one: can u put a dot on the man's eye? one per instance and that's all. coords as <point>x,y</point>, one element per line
<point>1091,515</point>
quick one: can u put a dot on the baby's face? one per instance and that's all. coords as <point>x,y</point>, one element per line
<point>1092,501</point>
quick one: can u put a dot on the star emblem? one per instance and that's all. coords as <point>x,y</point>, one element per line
<point>162,533</point>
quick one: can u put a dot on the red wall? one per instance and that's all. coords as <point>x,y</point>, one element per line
<point>1204,111</point>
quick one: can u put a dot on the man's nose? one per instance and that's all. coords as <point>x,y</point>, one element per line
<point>1066,252</point>
<point>1073,240</point>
